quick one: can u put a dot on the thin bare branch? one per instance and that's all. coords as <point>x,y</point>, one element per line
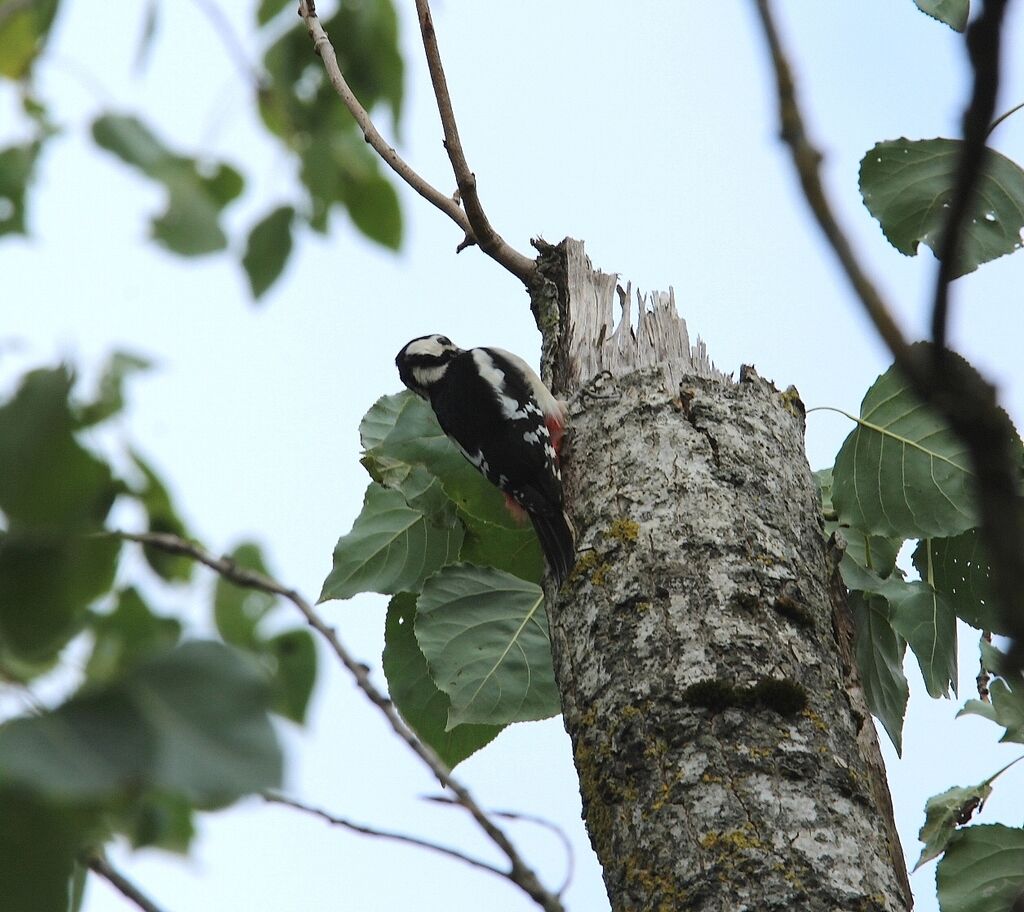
<point>487,238</point>
<point>323,47</point>
<point>98,864</point>
<point>807,159</point>
<point>519,872</point>
<point>362,829</point>
<point>570,855</point>
<point>983,46</point>
<point>224,29</point>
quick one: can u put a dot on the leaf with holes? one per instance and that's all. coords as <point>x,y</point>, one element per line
<point>959,568</point>
<point>907,185</point>
<point>485,637</point>
<point>982,870</point>
<point>943,813</point>
<point>392,547</point>
<point>902,473</point>
<point>422,704</point>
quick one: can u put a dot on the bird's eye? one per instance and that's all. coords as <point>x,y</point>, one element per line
<point>444,340</point>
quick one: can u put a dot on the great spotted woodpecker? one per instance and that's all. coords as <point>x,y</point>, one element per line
<point>507,423</point>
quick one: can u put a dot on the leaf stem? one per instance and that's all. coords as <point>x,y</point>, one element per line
<point>1002,117</point>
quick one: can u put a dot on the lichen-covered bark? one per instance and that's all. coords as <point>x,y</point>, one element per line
<point>723,763</point>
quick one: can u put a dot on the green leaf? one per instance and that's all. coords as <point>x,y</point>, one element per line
<point>196,193</point>
<point>110,394</point>
<point>161,516</point>
<point>366,39</point>
<point>902,473</point>
<point>982,870</point>
<point>515,551</point>
<point>238,610</point>
<point>925,619</point>
<point>423,706</point>
<point>268,249</point>
<point>37,447</point>
<point>484,634</point>
<point>958,567</point>
<point>268,9</point>
<point>952,12</point>
<point>39,844</point>
<point>157,819</point>
<point>17,164</point>
<point>192,721</point>
<point>403,430</point>
<point>373,206</point>
<point>879,652</point>
<point>1006,693</point>
<point>872,552</point>
<point>907,185</point>
<point>921,616</point>
<point>294,673</point>
<point>127,635</point>
<point>392,547</point>
<point>943,813</point>
<point>299,106</point>
<point>46,584</point>
<point>24,29</point>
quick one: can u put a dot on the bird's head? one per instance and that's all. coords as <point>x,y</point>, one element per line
<point>423,362</point>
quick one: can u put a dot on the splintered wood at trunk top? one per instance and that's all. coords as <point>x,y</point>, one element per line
<point>726,758</point>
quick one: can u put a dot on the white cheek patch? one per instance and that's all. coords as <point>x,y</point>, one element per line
<point>428,376</point>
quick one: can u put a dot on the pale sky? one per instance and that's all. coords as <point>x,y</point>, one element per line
<point>648,130</point>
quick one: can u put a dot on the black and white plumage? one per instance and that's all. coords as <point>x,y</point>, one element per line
<point>506,422</point>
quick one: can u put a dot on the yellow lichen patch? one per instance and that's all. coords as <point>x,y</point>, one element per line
<point>791,401</point>
<point>743,839</point>
<point>590,565</point>
<point>625,530</point>
<point>815,719</point>
<point>666,896</point>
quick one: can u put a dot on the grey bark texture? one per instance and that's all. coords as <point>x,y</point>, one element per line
<point>726,758</point>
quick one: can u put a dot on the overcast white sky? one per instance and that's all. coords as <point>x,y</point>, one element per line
<point>648,130</point>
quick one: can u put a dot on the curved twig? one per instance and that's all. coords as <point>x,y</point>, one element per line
<point>489,241</point>
<point>323,47</point>
<point>363,830</point>
<point>98,864</point>
<point>570,855</point>
<point>519,872</point>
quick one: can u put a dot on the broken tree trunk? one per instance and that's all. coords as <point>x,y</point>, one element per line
<point>726,758</point>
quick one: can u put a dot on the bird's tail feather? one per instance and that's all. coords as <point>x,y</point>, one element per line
<point>557,541</point>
